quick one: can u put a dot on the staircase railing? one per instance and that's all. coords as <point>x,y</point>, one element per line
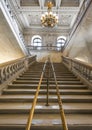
<point>31,113</point>
<point>84,69</point>
<point>62,114</point>
<point>10,68</point>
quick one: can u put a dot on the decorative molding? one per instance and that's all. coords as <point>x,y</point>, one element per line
<point>33,13</point>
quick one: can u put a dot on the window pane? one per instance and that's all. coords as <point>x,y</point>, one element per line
<point>58,45</point>
<point>39,44</point>
<point>35,44</point>
<point>62,44</point>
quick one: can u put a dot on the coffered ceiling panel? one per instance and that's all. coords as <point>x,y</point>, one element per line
<point>29,3</point>
<point>34,18</point>
<point>28,12</point>
<point>65,19</point>
<point>70,3</point>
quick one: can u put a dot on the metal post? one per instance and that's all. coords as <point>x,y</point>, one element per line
<point>47,100</point>
<point>47,75</point>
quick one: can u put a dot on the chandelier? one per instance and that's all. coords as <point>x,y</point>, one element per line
<point>49,19</point>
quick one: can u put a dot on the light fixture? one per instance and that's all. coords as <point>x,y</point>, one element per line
<point>49,19</point>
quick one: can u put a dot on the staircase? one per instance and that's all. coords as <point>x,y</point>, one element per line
<point>16,101</point>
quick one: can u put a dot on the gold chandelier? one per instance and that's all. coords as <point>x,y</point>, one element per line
<point>49,19</point>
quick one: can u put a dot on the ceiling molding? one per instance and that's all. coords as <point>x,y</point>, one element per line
<point>58,2</point>
<point>41,3</point>
<point>29,16</point>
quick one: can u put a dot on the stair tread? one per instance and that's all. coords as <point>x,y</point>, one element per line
<point>43,86</point>
<point>72,119</point>
<point>60,85</point>
<point>66,106</point>
<point>44,96</point>
<point>45,90</point>
<point>58,79</point>
<point>46,81</point>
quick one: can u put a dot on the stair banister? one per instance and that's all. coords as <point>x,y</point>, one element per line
<point>62,114</point>
<point>10,68</point>
<point>31,113</point>
<point>82,68</point>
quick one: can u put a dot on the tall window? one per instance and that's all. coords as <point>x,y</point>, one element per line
<point>36,42</point>
<point>61,42</point>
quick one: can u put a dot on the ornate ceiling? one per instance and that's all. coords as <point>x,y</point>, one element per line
<point>28,13</point>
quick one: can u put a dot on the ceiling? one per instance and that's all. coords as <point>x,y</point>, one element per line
<point>28,13</point>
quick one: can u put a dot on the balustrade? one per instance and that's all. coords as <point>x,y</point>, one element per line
<point>8,69</point>
<point>82,68</point>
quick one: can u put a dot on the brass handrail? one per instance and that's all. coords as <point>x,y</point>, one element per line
<point>29,122</point>
<point>62,114</point>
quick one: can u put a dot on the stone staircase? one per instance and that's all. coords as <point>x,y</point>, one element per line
<point>16,101</point>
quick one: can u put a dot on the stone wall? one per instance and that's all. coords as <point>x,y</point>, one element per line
<point>80,46</point>
<point>9,47</point>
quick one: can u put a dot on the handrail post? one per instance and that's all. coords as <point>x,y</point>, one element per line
<point>47,75</point>
<point>47,100</point>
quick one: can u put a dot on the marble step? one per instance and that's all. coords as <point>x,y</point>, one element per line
<point>51,91</point>
<point>42,98</point>
<point>43,86</point>
<point>37,76</point>
<point>30,74</point>
<point>57,74</point>
<point>45,82</point>
<point>40,122</point>
<point>58,79</point>
<point>23,108</point>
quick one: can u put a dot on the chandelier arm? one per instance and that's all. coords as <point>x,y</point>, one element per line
<point>49,19</point>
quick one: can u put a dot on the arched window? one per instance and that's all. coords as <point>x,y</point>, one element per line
<point>61,42</point>
<point>36,42</point>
